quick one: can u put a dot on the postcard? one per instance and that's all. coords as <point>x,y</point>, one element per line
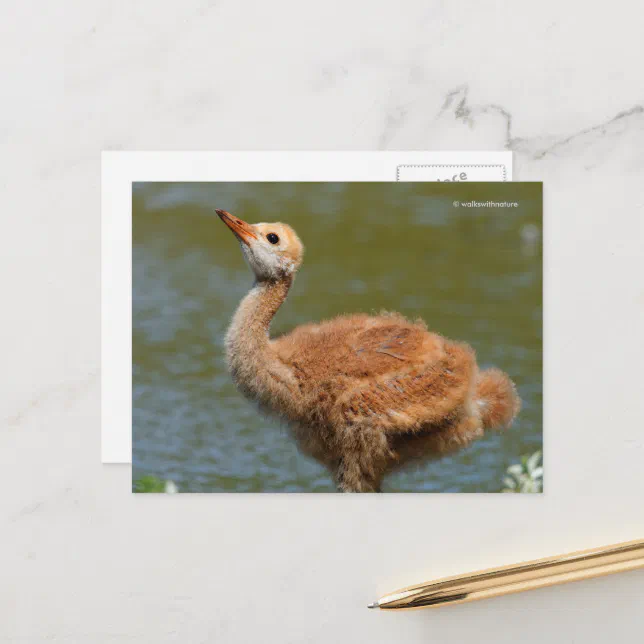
<point>121,169</point>
<point>336,336</point>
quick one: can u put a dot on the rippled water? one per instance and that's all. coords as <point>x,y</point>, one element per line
<point>472,274</point>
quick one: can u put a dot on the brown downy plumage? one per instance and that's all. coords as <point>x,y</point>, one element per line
<point>363,395</point>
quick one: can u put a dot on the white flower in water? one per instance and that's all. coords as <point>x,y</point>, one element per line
<point>526,476</point>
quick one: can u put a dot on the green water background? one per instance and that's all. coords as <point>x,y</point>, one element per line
<point>473,274</point>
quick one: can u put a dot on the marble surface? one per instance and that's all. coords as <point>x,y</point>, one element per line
<point>558,83</point>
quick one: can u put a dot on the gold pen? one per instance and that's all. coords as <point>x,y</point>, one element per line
<point>518,577</point>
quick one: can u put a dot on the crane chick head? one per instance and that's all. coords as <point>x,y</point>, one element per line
<point>273,251</point>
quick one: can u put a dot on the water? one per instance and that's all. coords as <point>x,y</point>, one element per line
<point>471,274</point>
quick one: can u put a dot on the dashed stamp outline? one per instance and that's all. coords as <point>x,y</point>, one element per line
<point>452,165</point>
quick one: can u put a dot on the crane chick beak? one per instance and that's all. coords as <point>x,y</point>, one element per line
<point>243,231</point>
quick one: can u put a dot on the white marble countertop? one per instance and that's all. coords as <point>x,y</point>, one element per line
<point>558,83</point>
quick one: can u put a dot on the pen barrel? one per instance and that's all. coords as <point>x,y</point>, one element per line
<point>516,578</point>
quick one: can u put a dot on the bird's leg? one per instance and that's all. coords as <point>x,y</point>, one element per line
<point>350,478</point>
<point>363,461</point>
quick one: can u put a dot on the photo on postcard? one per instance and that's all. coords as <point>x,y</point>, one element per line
<point>401,352</point>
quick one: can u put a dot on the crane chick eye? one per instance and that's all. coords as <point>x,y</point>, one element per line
<point>273,238</point>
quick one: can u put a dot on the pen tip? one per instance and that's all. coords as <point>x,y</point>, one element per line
<point>373,605</point>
